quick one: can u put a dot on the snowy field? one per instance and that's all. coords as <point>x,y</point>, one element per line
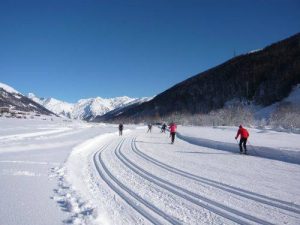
<point>59,172</point>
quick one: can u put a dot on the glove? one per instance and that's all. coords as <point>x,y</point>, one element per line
<point>235,138</point>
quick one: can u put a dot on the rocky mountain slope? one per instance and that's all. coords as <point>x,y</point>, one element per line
<point>15,101</point>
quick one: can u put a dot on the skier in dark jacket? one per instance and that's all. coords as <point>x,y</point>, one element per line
<point>149,128</point>
<point>163,128</point>
<point>244,136</point>
<point>120,129</point>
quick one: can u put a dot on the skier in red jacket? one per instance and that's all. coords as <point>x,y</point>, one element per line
<point>244,136</point>
<point>172,132</point>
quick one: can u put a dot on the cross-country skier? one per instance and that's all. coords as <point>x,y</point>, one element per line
<point>163,128</point>
<point>244,136</point>
<point>149,128</point>
<point>173,128</point>
<point>120,129</point>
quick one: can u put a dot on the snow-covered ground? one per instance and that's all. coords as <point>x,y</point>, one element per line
<point>30,153</point>
<point>58,172</point>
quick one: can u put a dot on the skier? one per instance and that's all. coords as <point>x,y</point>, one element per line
<point>149,128</point>
<point>120,129</point>
<point>244,136</point>
<point>163,128</point>
<point>173,128</point>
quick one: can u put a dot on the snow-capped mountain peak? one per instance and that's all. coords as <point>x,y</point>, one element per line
<point>9,88</point>
<point>86,109</point>
<point>92,107</point>
<point>59,107</point>
<point>18,105</point>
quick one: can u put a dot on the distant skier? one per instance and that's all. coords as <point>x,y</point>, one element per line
<point>244,136</point>
<point>149,128</point>
<point>173,128</point>
<point>163,128</point>
<point>120,129</point>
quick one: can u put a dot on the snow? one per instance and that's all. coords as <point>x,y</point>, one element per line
<point>254,51</point>
<point>57,172</point>
<point>85,108</point>
<point>52,104</point>
<point>9,88</point>
<point>98,106</point>
<point>30,150</point>
<point>294,96</point>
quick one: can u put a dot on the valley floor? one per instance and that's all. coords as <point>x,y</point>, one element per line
<point>77,173</point>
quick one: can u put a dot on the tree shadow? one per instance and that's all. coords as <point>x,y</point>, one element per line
<point>151,142</point>
<point>257,151</point>
<point>204,153</point>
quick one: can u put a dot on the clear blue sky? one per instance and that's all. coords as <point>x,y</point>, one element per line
<point>78,49</point>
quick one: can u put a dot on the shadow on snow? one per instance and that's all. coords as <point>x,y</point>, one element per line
<point>258,151</point>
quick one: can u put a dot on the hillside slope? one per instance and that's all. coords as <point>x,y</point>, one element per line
<point>261,77</point>
<point>14,100</point>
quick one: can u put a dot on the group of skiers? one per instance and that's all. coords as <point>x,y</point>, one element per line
<point>242,132</point>
<point>172,128</point>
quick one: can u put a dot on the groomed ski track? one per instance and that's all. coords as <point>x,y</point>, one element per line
<point>166,188</point>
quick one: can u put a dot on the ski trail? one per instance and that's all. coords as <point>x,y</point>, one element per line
<point>146,209</point>
<point>287,156</point>
<point>243,193</point>
<point>29,162</point>
<point>215,207</point>
<point>34,134</point>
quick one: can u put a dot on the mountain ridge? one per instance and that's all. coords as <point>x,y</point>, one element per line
<point>16,102</point>
<point>261,77</point>
<point>85,109</point>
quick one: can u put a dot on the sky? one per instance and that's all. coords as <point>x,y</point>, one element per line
<point>74,49</point>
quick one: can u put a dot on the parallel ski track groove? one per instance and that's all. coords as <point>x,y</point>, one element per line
<point>108,181</point>
<point>188,195</point>
<point>243,193</point>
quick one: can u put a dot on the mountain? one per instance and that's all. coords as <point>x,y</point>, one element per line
<point>120,110</point>
<point>86,109</point>
<point>15,101</point>
<point>260,77</point>
<point>61,108</point>
<point>90,108</point>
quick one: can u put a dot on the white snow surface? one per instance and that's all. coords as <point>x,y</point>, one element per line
<point>254,51</point>
<point>58,172</point>
<point>9,88</point>
<point>294,96</point>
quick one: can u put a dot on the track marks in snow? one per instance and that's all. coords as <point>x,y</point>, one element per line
<point>80,212</point>
<point>28,162</point>
<point>145,193</point>
<point>152,213</point>
<point>224,187</point>
<point>145,208</point>
<point>23,173</point>
<point>201,201</point>
<point>34,134</point>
